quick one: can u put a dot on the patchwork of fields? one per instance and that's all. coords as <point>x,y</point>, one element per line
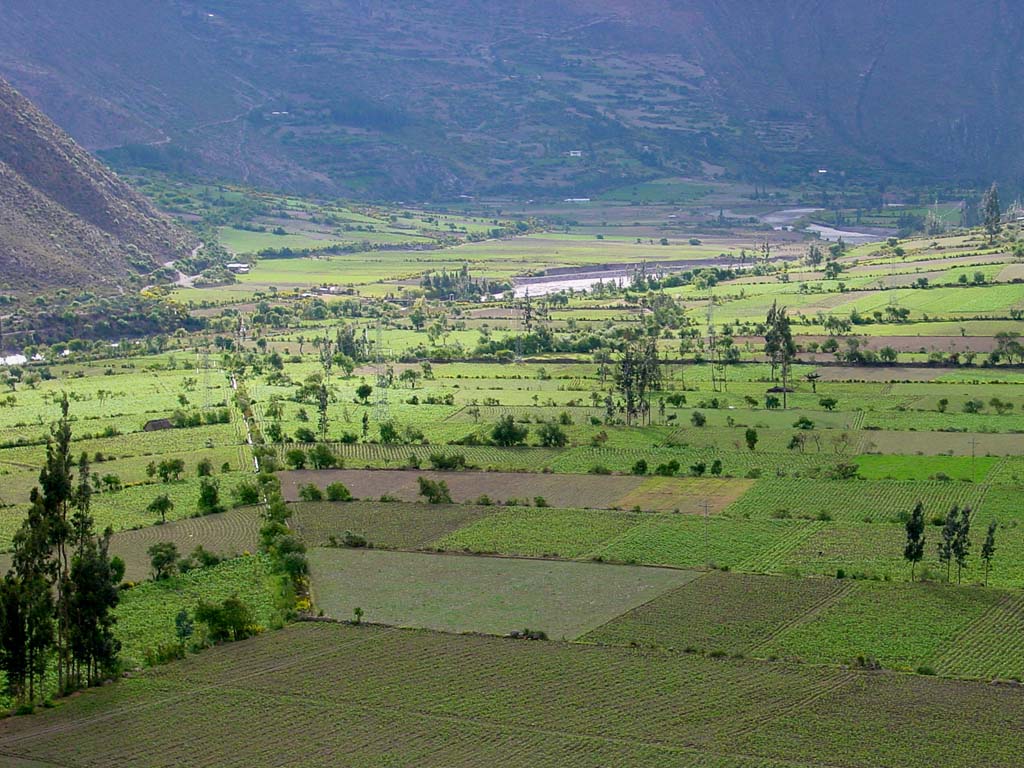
<point>525,569</point>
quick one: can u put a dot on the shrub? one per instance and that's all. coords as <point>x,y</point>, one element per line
<point>310,492</point>
<point>669,469</point>
<point>552,435</point>
<point>295,458</point>
<point>209,497</point>
<point>640,468</point>
<point>698,419</point>
<point>507,433</point>
<point>338,492</point>
<point>447,462</point>
<point>599,469</point>
<point>353,540</point>
<point>246,494</point>
<point>231,620</point>
<point>434,491</point>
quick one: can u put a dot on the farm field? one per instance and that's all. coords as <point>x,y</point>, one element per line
<point>394,525</point>
<point>227,534</point>
<point>686,461</point>
<point>721,613</point>
<point>436,699</point>
<point>596,492</point>
<point>480,594</point>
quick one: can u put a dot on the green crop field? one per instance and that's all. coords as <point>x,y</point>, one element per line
<point>416,697</point>
<point>721,613</point>
<point>478,594</point>
<point>145,617</point>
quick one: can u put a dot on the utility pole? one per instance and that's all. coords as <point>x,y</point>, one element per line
<point>974,446</point>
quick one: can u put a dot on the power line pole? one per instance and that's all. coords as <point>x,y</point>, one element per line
<point>974,446</point>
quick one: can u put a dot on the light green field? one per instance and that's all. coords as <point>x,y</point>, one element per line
<point>473,594</point>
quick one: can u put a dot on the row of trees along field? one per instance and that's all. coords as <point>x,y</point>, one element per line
<point>56,603</point>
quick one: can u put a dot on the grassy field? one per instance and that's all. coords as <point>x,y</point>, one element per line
<point>414,697</point>
<point>145,616</point>
<point>477,594</point>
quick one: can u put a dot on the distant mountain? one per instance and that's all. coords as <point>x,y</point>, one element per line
<point>434,98</point>
<point>65,220</point>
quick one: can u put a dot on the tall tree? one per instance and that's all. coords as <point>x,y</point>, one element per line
<point>962,541</point>
<point>779,345</point>
<point>637,376</point>
<point>58,492</point>
<point>991,213</point>
<point>914,550</point>
<point>94,595</point>
<point>949,534</point>
<point>32,578</point>
<point>988,549</point>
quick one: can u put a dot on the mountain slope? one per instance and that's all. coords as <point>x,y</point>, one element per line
<point>442,97</point>
<point>65,220</point>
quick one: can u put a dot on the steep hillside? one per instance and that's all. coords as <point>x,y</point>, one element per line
<point>65,220</point>
<point>443,97</point>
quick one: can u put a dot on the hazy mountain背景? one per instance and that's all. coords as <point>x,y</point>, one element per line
<point>434,99</point>
<point>65,219</point>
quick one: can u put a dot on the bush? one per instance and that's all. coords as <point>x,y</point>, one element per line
<point>353,540</point>
<point>698,419</point>
<point>599,469</point>
<point>540,501</point>
<point>246,494</point>
<point>310,492</point>
<point>669,469</point>
<point>435,491</point>
<point>338,492</point>
<point>447,462</point>
<point>507,433</point>
<point>552,435</point>
<point>295,458</point>
<point>640,468</point>
<point>231,620</point>
<point>209,497</point>
<point>321,457</point>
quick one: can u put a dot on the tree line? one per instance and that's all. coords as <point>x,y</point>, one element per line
<point>954,545</point>
<point>57,600</point>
